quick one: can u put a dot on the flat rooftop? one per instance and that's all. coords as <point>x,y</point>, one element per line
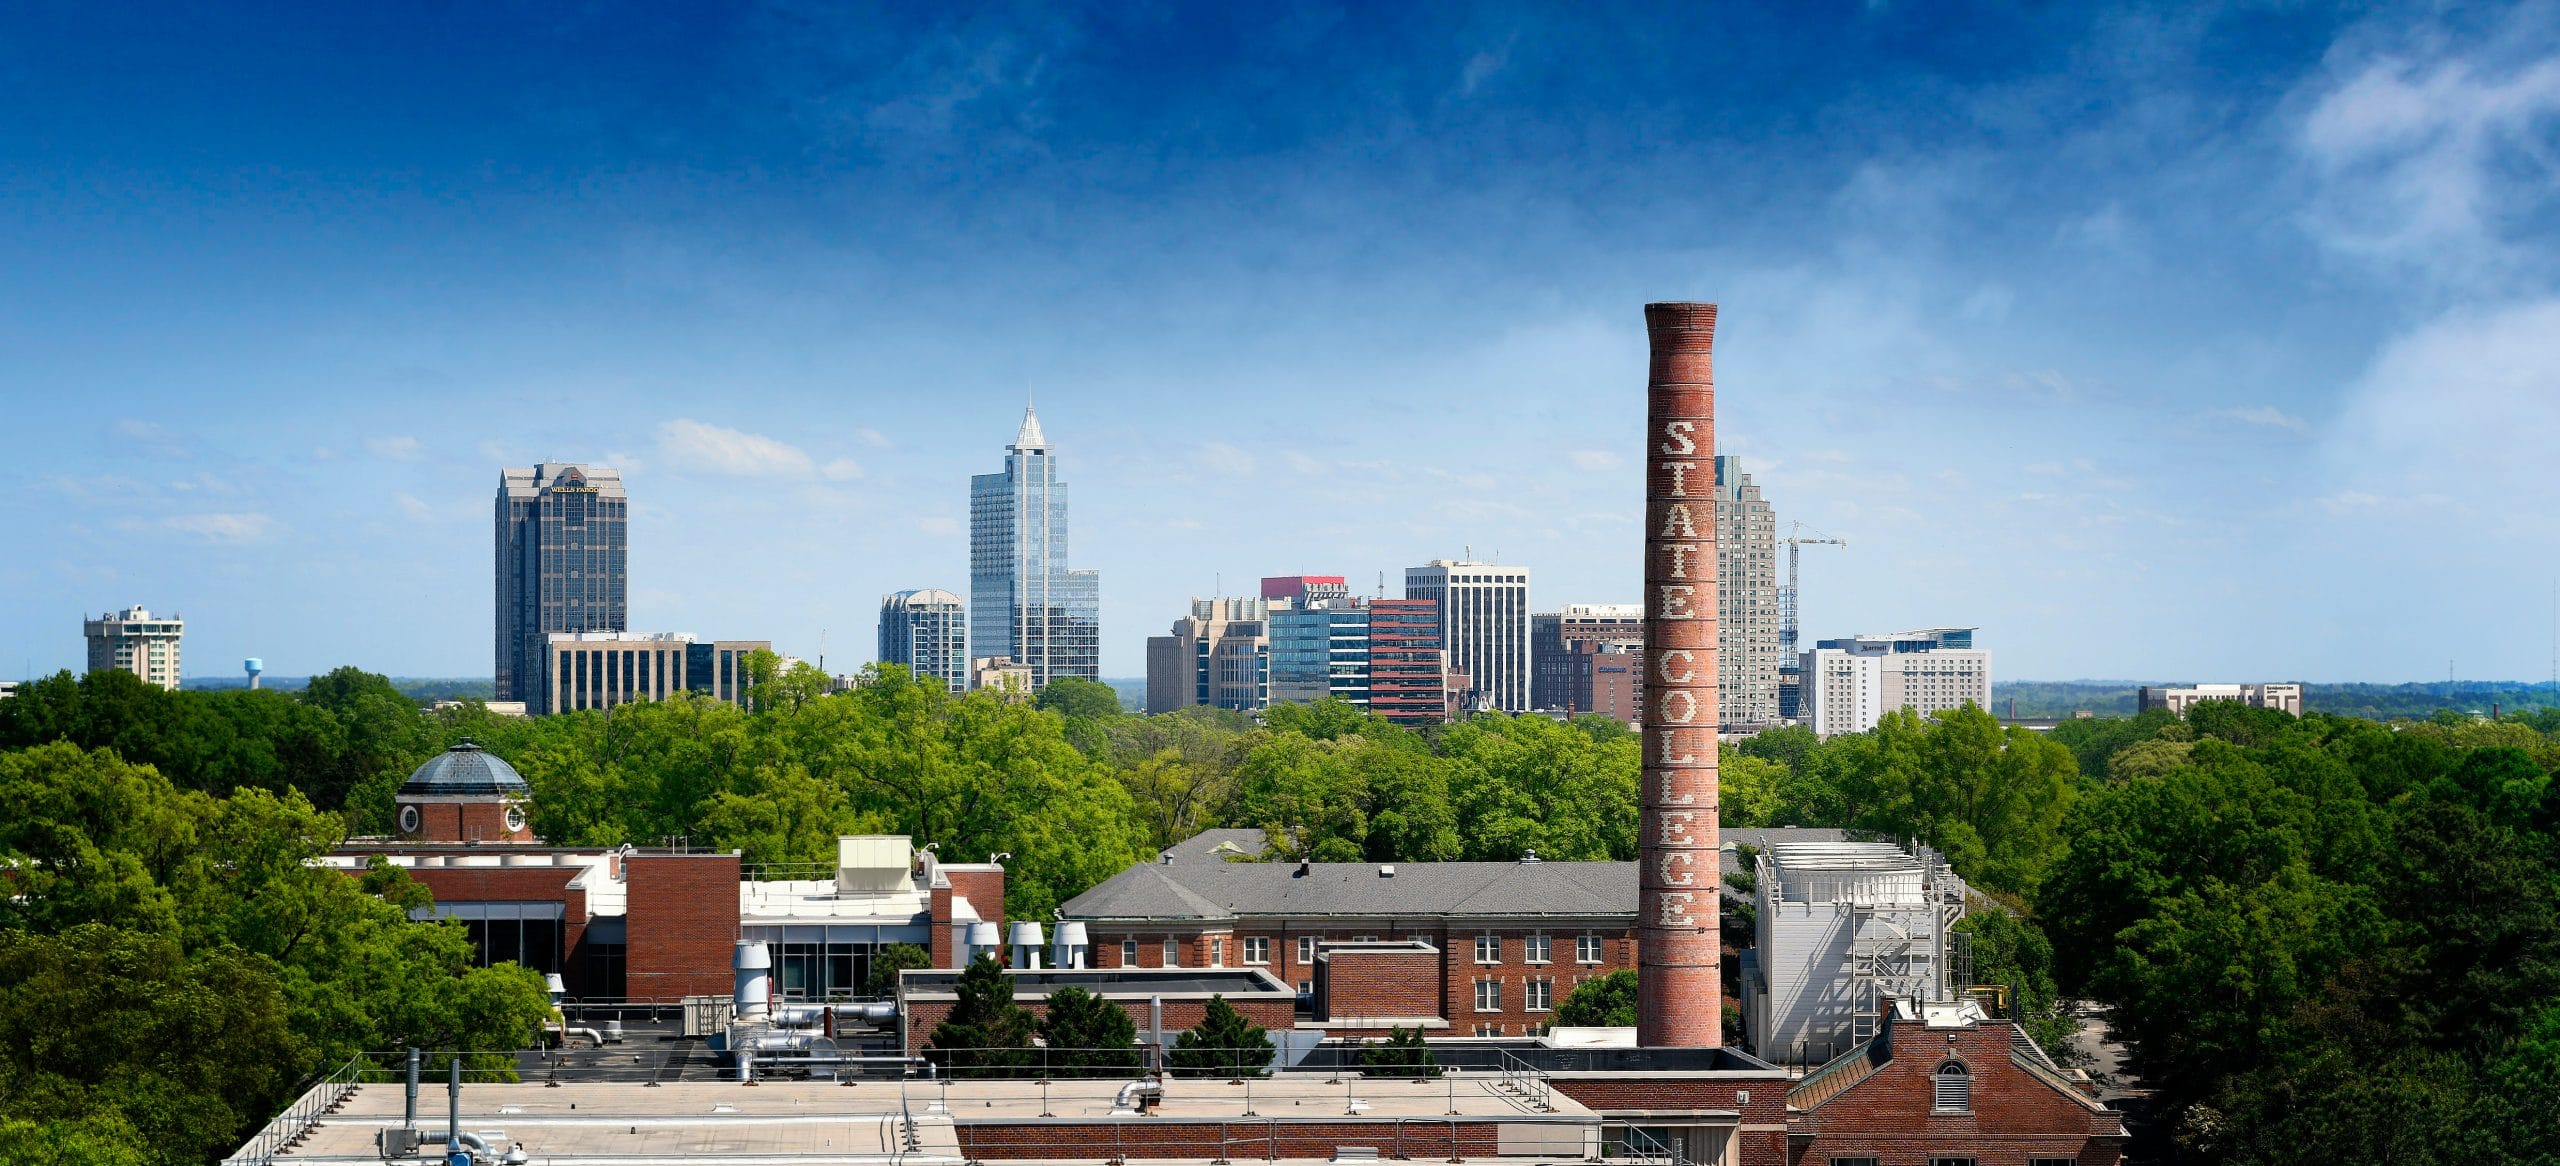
<point>1117,983</point>
<point>626,1124</point>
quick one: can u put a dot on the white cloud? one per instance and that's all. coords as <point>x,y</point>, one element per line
<point>2425,154</point>
<point>414,508</point>
<point>403,448</point>
<point>1226,459</point>
<point>872,437</point>
<point>2463,405</point>
<point>714,449</point>
<point>222,528</point>
<point>2267,415</point>
<point>1594,459</point>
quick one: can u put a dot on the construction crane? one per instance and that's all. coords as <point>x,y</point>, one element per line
<point>1788,677</point>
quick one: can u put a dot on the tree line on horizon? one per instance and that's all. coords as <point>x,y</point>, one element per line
<point>2318,937</point>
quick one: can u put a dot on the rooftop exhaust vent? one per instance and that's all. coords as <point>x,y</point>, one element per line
<point>1387,871</point>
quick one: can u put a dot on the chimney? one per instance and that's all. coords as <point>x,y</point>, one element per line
<point>1679,1002</point>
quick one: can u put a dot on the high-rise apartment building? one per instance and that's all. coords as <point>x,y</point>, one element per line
<point>1025,603</point>
<point>563,566</point>
<point>1484,626</point>
<point>1219,655</point>
<point>1408,669</point>
<point>1557,680</point>
<point>136,641</point>
<point>928,631</point>
<point>1850,683</point>
<point>1320,648</point>
<point>1748,657</point>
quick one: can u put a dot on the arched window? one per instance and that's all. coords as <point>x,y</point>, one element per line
<point>1954,1088</point>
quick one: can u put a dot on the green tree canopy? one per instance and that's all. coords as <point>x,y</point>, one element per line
<point>1223,1044</point>
<point>1087,1036</point>
<point>1606,1002</point>
<point>987,1034</point>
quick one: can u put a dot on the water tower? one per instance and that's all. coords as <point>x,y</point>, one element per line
<point>253,666</point>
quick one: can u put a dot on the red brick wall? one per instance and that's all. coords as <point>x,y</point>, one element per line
<point>945,949</point>
<point>1239,1140</point>
<point>983,888</point>
<point>1274,1015</point>
<point>465,822</point>
<point>1454,980</point>
<point>2015,1116</point>
<point>682,925</point>
<point>514,884</point>
<point>1353,984</point>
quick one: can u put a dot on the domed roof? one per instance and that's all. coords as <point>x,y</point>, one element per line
<point>465,769</point>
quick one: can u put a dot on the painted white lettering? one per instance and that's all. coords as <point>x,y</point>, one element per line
<point>1667,754</point>
<point>1675,602</point>
<point>1671,794</point>
<point>1679,706</point>
<point>1675,827</point>
<point>1679,477</point>
<point>1682,877</point>
<point>1678,432</point>
<point>1686,673</point>
<point>1676,524</point>
<point>1680,559</point>
<point>1674,907</point>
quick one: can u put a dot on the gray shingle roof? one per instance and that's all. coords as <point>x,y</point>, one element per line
<point>1483,889</point>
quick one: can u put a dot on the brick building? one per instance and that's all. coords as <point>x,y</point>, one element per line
<point>1458,948</point>
<point>1941,1081</point>
<point>629,923</point>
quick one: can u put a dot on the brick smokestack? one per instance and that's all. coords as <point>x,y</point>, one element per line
<point>1680,1002</point>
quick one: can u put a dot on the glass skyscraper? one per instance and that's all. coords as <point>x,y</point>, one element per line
<point>1024,601</point>
<point>563,566</point>
<point>1319,651</point>
<point>926,630</point>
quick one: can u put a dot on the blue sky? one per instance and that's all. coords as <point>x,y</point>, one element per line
<point>2179,343</point>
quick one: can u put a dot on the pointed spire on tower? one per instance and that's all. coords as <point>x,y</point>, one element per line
<point>1030,439</point>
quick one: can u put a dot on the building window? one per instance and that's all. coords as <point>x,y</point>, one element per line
<point>1257,949</point>
<point>1488,995</point>
<point>1306,987</point>
<point>1539,995</point>
<point>408,819</point>
<point>1951,1162</point>
<point>1172,952</point>
<point>1954,1093</point>
<point>1538,949</point>
<point>1306,949</point>
<point>1217,953</point>
<point>1488,949</point>
<point>1128,953</point>
<point>1586,948</point>
<point>1853,1162</point>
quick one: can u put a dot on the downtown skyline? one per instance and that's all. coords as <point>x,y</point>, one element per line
<point>2158,421</point>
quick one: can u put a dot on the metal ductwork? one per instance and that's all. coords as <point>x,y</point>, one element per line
<point>982,938</point>
<point>754,966</point>
<point>1026,940</point>
<point>1068,946</point>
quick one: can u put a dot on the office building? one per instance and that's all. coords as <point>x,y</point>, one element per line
<point>1850,683</point>
<point>1554,639</point>
<point>1320,648</point>
<point>1748,656</point>
<point>1408,669</point>
<point>1219,655</point>
<point>599,670</point>
<point>2282,697</point>
<point>563,565</point>
<point>1001,675</point>
<point>136,641</point>
<point>1301,590</point>
<point>1025,603</point>
<point>928,631</point>
<point>1484,626</point>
